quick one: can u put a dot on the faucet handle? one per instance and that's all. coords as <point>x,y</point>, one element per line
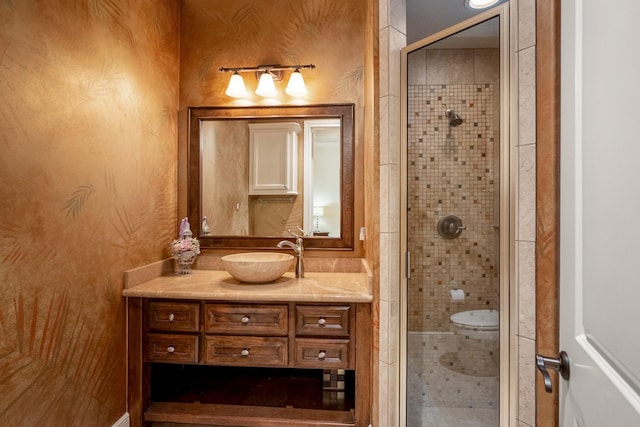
<point>296,235</point>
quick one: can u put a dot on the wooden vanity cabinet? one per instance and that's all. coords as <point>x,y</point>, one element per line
<point>317,336</point>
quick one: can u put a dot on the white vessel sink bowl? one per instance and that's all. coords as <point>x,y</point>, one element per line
<point>257,267</point>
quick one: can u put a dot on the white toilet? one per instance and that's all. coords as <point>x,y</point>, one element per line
<point>477,332</point>
<point>477,324</point>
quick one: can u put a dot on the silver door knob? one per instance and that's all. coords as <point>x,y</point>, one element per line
<point>560,364</point>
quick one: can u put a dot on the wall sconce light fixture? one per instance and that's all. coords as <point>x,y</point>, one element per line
<point>267,75</point>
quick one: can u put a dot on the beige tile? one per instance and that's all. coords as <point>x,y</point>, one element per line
<point>398,15</point>
<point>393,335</point>
<point>385,308</point>
<point>384,60</point>
<point>467,191</point>
<point>385,264</point>
<point>384,197</point>
<point>393,400</point>
<point>397,41</point>
<point>395,136</point>
<point>393,263</point>
<point>386,393</point>
<point>383,13</point>
<point>486,65</point>
<point>526,23</point>
<point>384,124</point>
<point>389,324</point>
<point>449,66</point>
<point>417,68</point>
<point>526,289</point>
<point>393,214</point>
<point>526,193</point>
<point>527,96</point>
<point>526,380</point>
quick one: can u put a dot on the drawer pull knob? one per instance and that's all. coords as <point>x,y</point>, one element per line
<point>322,354</point>
<point>171,349</point>
<point>322,321</point>
<point>171,317</point>
<point>245,352</point>
<point>245,319</point>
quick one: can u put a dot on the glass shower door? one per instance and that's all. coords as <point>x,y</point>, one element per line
<point>454,202</point>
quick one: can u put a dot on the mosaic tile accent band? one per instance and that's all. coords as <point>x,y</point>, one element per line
<point>333,379</point>
<point>452,171</point>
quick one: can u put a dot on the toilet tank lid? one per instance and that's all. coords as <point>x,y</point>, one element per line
<point>477,318</point>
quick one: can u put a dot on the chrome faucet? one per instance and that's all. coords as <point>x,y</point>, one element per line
<point>298,249</point>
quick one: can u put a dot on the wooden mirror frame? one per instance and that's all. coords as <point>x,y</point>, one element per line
<point>345,112</point>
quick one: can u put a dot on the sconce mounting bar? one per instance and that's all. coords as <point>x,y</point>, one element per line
<point>265,68</point>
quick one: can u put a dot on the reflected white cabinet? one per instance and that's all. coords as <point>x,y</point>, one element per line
<point>273,158</point>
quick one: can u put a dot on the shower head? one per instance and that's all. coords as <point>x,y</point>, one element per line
<point>454,119</point>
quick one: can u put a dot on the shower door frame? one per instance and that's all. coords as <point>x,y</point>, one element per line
<point>508,179</point>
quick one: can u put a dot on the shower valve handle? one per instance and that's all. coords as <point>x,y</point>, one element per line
<point>560,364</point>
<point>450,227</point>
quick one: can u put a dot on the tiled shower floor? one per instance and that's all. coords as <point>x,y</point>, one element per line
<point>438,396</point>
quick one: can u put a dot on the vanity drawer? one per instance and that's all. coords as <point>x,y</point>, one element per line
<point>173,316</point>
<point>246,319</point>
<point>321,353</point>
<point>172,348</point>
<point>246,351</point>
<point>318,320</point>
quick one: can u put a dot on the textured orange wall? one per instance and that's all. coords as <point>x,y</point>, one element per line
<point>328,33</point>
<point>88,131</point>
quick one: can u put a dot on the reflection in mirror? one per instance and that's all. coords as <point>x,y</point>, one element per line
<point>257,172</point>
<point>322,176</point>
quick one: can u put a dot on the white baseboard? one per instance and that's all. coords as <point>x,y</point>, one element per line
<point>123,421</point>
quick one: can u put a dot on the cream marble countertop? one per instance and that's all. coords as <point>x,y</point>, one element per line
<point>219,285</point>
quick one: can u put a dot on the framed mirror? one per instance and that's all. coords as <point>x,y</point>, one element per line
<point>257,173</point>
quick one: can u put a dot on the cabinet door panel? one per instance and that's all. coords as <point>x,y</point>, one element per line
<point>172,348</point>
<point>321,353</point>
<point>246,319</point>
<point>173,316</point>
<point>322,320</point>
<point>273,158</point>
<point>245,351</point>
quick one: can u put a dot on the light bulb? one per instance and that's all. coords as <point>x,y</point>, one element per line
<point>236,87</point>
<point>266,87</point>
<point>481,4</point>
<point>296,86</point>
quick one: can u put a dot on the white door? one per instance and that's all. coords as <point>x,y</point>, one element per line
<point>600,211</point>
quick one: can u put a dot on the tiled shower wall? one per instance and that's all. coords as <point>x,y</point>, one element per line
<point>451,171</point>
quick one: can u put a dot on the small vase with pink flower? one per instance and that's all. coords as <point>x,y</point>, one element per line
<point>185,249</point>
